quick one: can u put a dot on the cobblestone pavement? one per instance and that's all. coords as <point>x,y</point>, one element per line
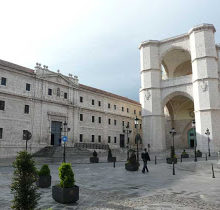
<point>105,187</point>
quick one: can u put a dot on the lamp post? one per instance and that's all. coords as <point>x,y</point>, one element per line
<point>65,130</point>
<point>173,132</point>
<point>127,131</point>
<point>137,136</point>
<point>195,143</point>
<point>208,133</point>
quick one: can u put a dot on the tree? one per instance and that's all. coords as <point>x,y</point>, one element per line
<point>23,185</point>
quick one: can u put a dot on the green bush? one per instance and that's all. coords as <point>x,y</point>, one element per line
<point>66,175</point>
<point>44,171</point>
<point>23,185</point>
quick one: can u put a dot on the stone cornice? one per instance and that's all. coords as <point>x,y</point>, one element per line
<point>150,69</point>
<point>149,42</point>
<point>204,57</point>
<point>202,27</point>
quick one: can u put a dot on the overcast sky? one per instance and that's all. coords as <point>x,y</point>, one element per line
<point>97,40</point>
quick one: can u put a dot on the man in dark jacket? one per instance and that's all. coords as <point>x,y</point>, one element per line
<point>145,157</point>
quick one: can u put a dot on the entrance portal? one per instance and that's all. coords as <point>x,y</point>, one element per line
<point>56,133</point>
<point>191,138</point>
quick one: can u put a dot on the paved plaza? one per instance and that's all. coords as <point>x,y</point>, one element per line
<point>105,187</point>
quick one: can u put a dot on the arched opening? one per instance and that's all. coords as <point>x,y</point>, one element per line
<point>179,113</point>
<point>176,63</point>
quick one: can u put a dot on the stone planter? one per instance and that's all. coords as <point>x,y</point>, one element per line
<point>171,160</point>
<point>44,181</point>
<point>132,167</point>
<point>94,159</point>
<point>199,154</point>
<point>185,155</point>
<point>65,195</point>
<point>111,159</point>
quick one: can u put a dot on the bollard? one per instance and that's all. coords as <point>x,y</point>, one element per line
<point>155,160</point>
<point>114,164</point>
<point>206,157</point>
<point>213,173</point>
<point>181,159</point>
<point>173,168</point>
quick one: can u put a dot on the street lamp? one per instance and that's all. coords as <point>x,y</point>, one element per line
<point>65,130</point>
<point>127,131</point>
<point>137,136</point>
<point>173,132</point>
<point>208,133</point>
<point>195,143</point>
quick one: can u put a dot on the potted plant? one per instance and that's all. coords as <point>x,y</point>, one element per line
<point>132,164</point>
<point>184,154</point>
<point>44,179</point>
<point>66,191</point>
<point>110,158</point>
<point>172,157</point>
<point>94,158</point>
<point>199,153</point>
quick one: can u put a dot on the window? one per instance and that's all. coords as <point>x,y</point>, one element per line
<point>115,122</point>
<point>128,140</point>
<point>93,119</point>
<point>123,123</point>
<point>26,109</point>
<point>93,102</point>
<point>100,119</point>
<point>81,99</point>
<point>128,124</point>
<point>135,125</point>
<point>81,117</point>
<point>109,121</point>
<point>3,81</point>
<point>99,139</point>
<point>109,106</point>
<point>99,103</point>
<point>2,105</point>
<point>134,111</point>
<point>80,137</point>
<point>49,92</point>
<point>109,139</point>
<point>140,126</point>
<point>122,109</point>
<point>93,138</point>
<point>115,140</point>
<point>127,110</point>
<point>1,133</point>
<point>140,113</point>
<point>65,95</point>
<point>28,87</point>
<point>115,107</point>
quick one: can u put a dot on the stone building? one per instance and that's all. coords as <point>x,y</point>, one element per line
<point>179,83</point>
<point>41,100</point>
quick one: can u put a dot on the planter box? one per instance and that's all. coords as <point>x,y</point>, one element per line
<point>44,181</point>
<point>199,154</point>
<point>111,159</point>
<point>94,159</point>
<point>171,160</point>
<point>185,155</point>
<point>132,167</point>
<point>65,195</point>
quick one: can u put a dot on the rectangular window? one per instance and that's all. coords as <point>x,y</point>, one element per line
<point>109,121</point>
<point>128,124</point>
<point>115,140</point>
<point>134,111</point>
<point>135,125</point>
<point>3,81</point>
<point>115,107</point>
<point>140,126</point>
<point>65,95</point>
<point>1,133</point>
<point>122,109</point>
<point>109,106</point>
<point>140,113</point>
<point>100,119</point>
<point>93,138</point>
<point>115,122</point>
<point>99,139</point>
<point>26,109</point>
<point>99,103</point>
<point>81,99</point>
<point>81,117</point>
<point>123,123</point>
<point>127,110</point>
<point>28,87</point>
<point>2,105</point>
<point>109,139</point>
<point>93,102</point>
<point>93,119</point>
<point>49,92</point>
<point>80,137</point>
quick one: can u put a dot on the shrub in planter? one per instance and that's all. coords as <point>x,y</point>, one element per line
<point>199,153</point>
<point>24,182</point>
<point>44,179</point>
<point>94,158</point>
<point>184,154</point>
<point>172,157</point>
<point>66,191</point>
<point>132,164</point>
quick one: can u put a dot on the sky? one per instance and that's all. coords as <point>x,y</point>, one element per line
<point>97,40</point>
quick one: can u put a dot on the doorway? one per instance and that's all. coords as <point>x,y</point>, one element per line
<point>122,140</point>
<point>191,138</point>
<point>56,133</point>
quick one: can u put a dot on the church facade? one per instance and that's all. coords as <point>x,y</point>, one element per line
<point>180,82</point>
<point>44,102</point>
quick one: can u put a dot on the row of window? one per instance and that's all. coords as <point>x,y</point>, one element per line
<point>4,81</point>
<point>109,105</point>
<point>99,138</point>
<point>58,93</point>
<point>26,107</point>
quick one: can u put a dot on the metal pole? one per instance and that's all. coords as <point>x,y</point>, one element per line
<point>195,145</point>
<point>64,152</point>
<point>213,173</point>
<point>173,145</point>
<point>209,147</point>
<point>173,168</point>
<point>137,152</point>
<point>26,144</point>
<point>114,164</point>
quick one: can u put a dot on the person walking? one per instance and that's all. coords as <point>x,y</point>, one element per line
<point>145,157</point>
